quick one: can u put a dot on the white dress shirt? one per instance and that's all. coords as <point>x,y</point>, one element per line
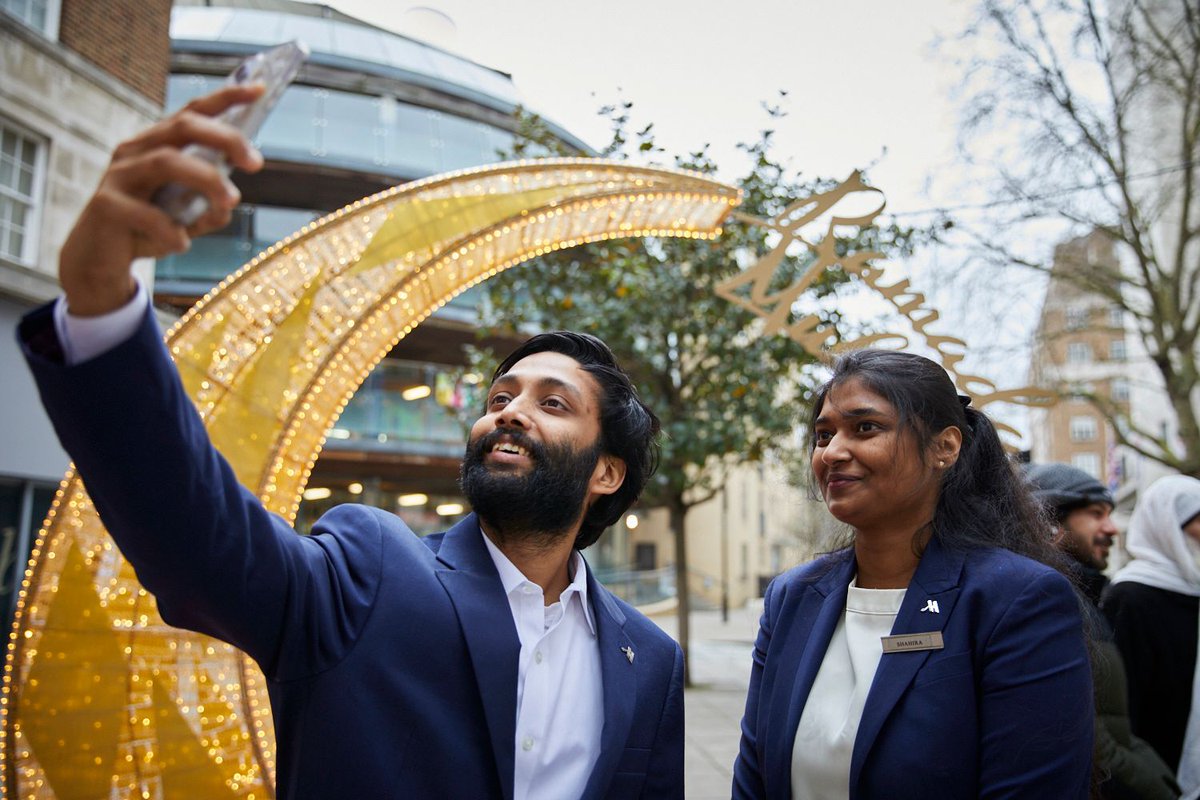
<point>83,338</point>
<point>560,697</point>
<point>829,724</point>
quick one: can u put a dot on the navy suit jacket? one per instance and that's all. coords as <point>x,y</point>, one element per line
<point>1004,710</point>
<point>391,660</point>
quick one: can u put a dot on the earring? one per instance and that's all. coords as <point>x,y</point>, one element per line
<point>941,464</point>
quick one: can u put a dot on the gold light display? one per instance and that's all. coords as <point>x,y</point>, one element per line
<point>102,699</point>
<point>754,290</point>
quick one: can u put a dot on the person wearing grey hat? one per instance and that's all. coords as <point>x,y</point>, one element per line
<point>1081,508</point>
<point>1153,606</point>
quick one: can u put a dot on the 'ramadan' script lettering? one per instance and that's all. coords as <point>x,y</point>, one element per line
<point>751,289</point>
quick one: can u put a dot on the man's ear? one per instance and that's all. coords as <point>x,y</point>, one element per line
<point>608,475</point>
<point>946,446</point>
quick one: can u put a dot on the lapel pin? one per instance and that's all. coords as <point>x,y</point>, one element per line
<point>932,605</point>
<point>628,651</point>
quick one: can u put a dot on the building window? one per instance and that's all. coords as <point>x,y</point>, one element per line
<point>1079,353</point>
<point>20,165</point>
<point>1083,429</point>
<point>1081,392</point>
<point>1077,317</point>
<point>1116,317</point>
<point>23,506</point>
<point>1120,390</point>
<point>1116,350</point>
<point>1088,462</point>
<point>645,556</point>
<point>41,15</point>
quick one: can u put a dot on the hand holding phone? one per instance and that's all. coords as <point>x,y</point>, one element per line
<point>276,69</point>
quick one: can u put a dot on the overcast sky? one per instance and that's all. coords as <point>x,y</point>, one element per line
<point>860,75</point>
<point>866,87</point>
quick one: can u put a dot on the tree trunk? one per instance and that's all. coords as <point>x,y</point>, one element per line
<point>683,609</point>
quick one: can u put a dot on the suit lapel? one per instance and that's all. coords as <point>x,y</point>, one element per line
<point>937,579</point>
<point>619,676</point>
<point>805,635</point>
<point>483,613</point>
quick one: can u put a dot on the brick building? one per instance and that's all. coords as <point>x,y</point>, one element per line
<point>1080,351</point>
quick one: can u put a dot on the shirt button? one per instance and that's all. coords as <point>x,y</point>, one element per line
<point>527,743</point>
<point>537,656</point>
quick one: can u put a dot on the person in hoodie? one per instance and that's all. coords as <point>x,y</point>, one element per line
<point>1153,606</point>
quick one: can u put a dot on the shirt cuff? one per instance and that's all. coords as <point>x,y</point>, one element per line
<point>84,338</point>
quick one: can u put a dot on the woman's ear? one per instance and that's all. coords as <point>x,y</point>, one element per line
<point>946,446</point>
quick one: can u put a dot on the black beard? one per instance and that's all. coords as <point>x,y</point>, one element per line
<point>538,506</point>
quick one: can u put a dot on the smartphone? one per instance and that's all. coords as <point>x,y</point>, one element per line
<point>276,68</point>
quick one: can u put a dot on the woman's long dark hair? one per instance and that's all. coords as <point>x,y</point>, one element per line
<point>984,501</point>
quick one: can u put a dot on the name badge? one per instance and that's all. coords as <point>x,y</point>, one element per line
<point>910,642</point>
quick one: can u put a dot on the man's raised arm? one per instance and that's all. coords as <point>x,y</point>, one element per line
<point>121,224</point>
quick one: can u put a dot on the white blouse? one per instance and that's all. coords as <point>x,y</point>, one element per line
<point>825,735</point>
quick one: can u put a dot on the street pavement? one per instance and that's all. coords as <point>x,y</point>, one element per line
<point>720,667</point>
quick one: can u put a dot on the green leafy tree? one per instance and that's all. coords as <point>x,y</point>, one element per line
<point>726,394</point>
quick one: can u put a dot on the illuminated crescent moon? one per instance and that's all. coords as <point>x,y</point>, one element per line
<point>100,697</point>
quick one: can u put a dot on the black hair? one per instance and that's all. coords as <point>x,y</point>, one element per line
<point>628,428</point>
<point>984,501</point>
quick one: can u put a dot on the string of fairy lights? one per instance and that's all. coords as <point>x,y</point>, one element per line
<point>271,357</point>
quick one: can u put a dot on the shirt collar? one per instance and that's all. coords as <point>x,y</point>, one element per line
<point>512,578</point>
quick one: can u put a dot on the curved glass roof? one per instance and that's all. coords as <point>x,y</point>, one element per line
<point>339,41</point>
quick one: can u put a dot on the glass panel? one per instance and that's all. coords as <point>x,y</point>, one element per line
<point>8,143</point>
<point>378,412</point>
<point>6,247</point>
<point>497,85</point>
<point>273,224</point>
<point>31,12</point>
<point>463,142</point>
<point>411,141</point>
<point>254,27</point>
<point>407,54</point>
<point>7,171</point>
<point>498,145</point>
<point>313,31</point>
<point>25,181</point>
<point>355,41</point>
<point>251,230</point>
<point>350,123</point>
<point>452,69</point>
<point>292,125</point>
<point>198,23</point>
<point>183,88</point>
<point>10,520</point>
<point>209,259</point>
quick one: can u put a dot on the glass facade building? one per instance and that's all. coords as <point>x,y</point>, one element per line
<point>370,109</point>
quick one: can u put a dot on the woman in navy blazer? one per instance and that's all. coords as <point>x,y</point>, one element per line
<point>940,654</point>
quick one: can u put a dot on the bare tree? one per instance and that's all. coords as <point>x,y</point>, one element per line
<point>1105,101</point>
